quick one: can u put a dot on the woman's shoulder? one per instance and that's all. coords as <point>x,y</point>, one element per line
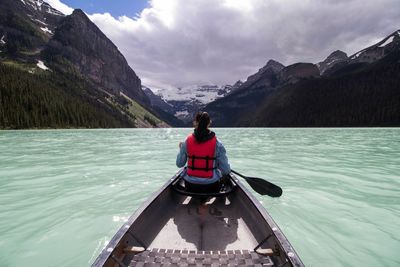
<point>219,143</point>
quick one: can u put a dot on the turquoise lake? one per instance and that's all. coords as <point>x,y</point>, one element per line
<point>64,193</point>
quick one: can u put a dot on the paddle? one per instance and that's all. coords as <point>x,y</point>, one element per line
<point>262,186</point>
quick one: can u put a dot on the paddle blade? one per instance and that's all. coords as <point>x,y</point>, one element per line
<point>264,187</point>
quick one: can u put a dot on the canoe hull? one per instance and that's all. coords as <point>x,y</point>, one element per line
<point>178,223</point>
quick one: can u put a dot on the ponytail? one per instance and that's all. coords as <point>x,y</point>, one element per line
<point>201,132</point>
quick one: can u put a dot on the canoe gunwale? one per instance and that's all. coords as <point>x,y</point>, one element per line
<point>109,249</point>
<point>291,254</point>
<point>284,244</point>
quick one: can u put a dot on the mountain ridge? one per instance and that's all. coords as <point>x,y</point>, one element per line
<point>37,40</point>
<point>254,100</point>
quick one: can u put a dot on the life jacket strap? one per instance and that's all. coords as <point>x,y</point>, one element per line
<point>207,159</point>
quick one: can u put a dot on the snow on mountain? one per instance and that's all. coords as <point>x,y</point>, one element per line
<point>45,29</point>
<point>41,65</point>
<point>40,5</point>
<point>186,101</point>
<point>378,50</point>
<point>203,93</point>
<point>389,40</point>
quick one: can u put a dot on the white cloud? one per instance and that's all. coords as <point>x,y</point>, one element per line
<point>60,6</point>
<point>185,42</point>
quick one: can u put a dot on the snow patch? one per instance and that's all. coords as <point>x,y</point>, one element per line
<point>41,65</point>
<point>2,40</point>
<point>35,4</point>
<point>204,93</point>
<point>54,12</point>
<point>357,54</point>
<point>41,22</point>
<point>46,30</point>
<point>184,113</point>
<point>331,62</point>
<point>388,41</point>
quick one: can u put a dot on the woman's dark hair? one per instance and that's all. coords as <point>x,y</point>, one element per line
<point>203,120</point>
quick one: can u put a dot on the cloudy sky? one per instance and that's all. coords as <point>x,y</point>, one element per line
<point>173,43</point>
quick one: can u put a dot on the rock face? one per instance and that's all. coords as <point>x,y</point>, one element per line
<point>265,76</point>
<point>296,72</point>
<point>378,50</point>
<point>26,26</point>
<point>79,42</point>
<point>333,61</point>
<point>81,64</point>
<point>157,101</point>
<point>243,100</point>
<point>368,97</point>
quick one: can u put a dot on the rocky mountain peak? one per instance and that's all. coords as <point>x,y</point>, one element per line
<point>335,59</point>
<point>81,23</point>
<point>338,54</point>
<point>82,43</point>
<point>379,50</point>
<point>265,75</point>
<point>274,65</point>
<point>79,13</point>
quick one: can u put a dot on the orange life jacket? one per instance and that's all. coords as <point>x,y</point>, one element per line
<point>201,157</point>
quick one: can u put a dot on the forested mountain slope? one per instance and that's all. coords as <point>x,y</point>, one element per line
<point>62,71</point>
<point>365,97</point>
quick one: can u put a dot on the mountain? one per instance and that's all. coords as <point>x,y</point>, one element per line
<point>157,101</point>
<point>242,103</point>
<point>264,77</point>
<point>338,62</point>
<point>80,43</point>
<point>360,90</point>
<point>26,25</point>
<point>184,102</point>
<point>339,91</point>
<point>378,50</point>
<point>334,61</point>
<point>369,97</point>
<point>70,58</point>
<point>162,109</point>
<point>297,72</point>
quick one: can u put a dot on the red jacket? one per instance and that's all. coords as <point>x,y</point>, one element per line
<point>201,157</point>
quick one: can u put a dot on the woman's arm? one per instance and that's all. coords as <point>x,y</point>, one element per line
<point>222,159</point>
<point>181,158</point>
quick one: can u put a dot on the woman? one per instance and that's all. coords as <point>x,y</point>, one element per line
<point>205,157</point>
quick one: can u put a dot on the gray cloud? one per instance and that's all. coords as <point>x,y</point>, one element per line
<point>185,42</point>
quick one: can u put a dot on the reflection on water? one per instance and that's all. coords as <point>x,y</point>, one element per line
<point>64,193</point>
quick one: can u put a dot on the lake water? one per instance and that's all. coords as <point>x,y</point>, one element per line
<point>64,193</point>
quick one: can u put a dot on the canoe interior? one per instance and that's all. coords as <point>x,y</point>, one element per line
<point>182,223</point>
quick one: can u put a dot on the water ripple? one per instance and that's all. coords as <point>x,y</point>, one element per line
<point>64,193</point>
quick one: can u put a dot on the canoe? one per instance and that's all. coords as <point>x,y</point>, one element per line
<point>178,228</point>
